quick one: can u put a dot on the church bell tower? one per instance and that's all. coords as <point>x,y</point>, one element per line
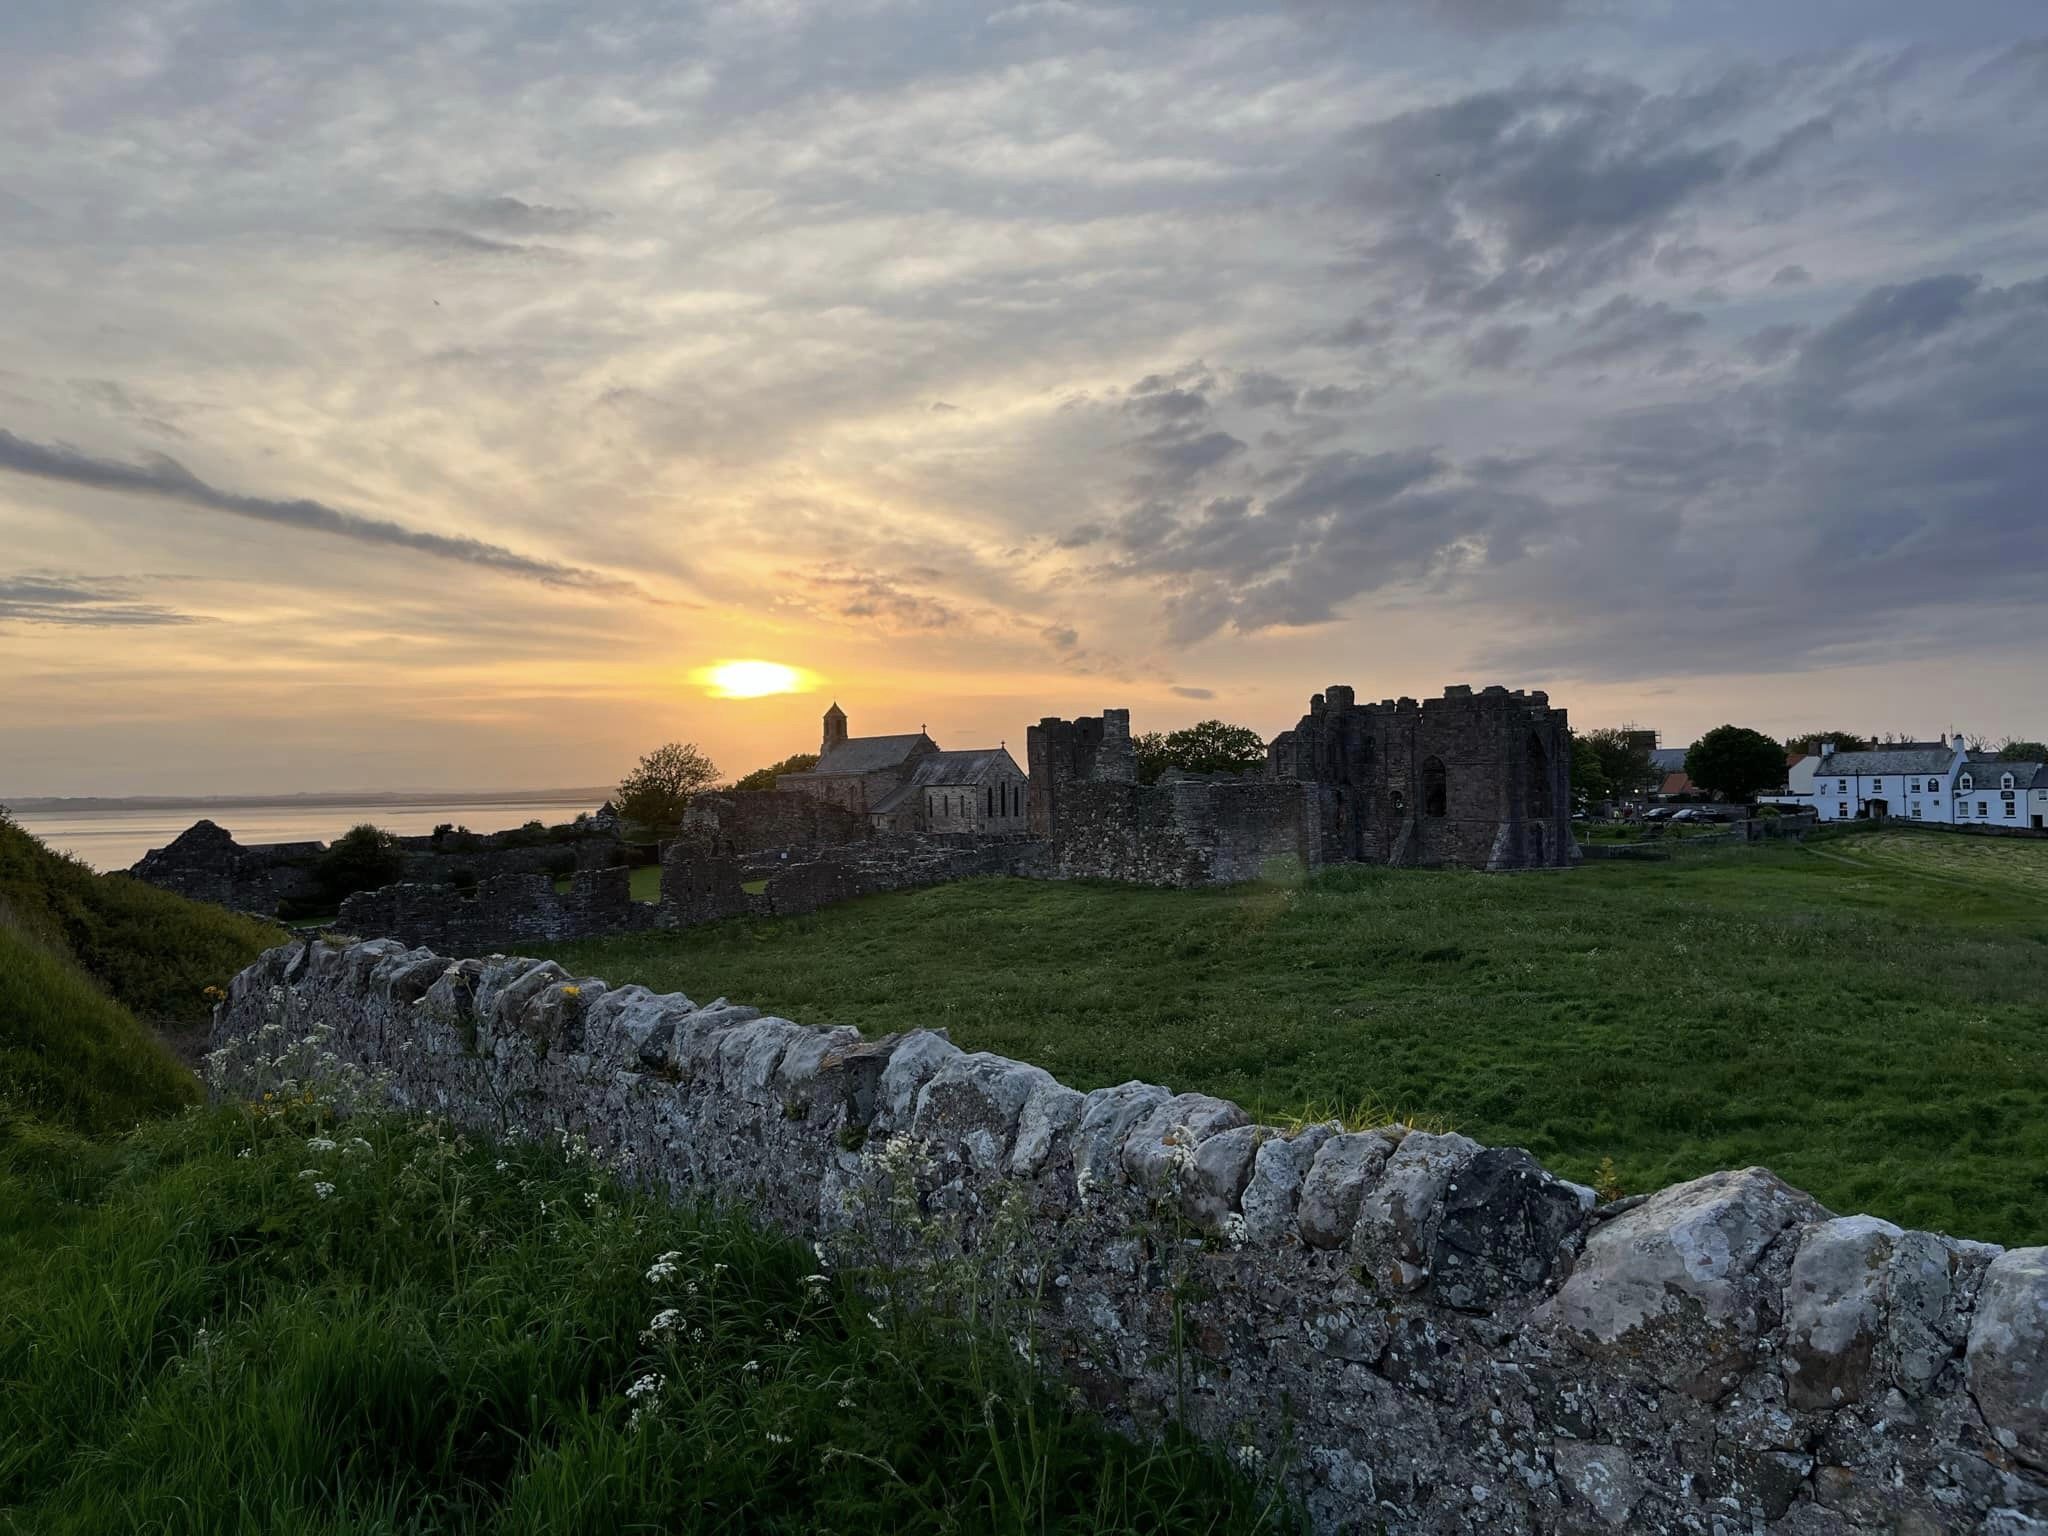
<point>835,729</point>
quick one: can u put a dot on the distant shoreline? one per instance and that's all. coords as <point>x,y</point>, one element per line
<point>314,800</point>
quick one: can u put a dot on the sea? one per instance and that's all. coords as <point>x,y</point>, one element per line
<point>114,838</point>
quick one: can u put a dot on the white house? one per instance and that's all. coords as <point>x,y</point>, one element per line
<point>1996,794</point>
<point>1910,783</point>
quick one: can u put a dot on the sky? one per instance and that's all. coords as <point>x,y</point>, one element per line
<point>421,393</point>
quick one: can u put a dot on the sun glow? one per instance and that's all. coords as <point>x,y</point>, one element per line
<point>751,679</point>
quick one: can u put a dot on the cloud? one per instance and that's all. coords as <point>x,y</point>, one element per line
<point>445,243</point>
<point>859,593</point>
<point>509,215</point>
<point>1181,692</point>
<point>1539,191</point>
<point>1498,346</point>
<point>1772,343</point>
<point>1625,327</point>
<point>1061,637</point>
<point>167,479</point>
<point>82,602</point>
<point>1790,276</point>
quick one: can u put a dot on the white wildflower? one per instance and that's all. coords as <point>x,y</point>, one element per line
<point>791,1335</point>
<point>243,1153</point>
<point>319,1144</point>
<point>664,1266</point>
<point>357,1144</point>
<point>308,1173</point>
<point>846,1402</point>
<point>590,1197</point>
<point>874,1319</point>
<point>823,1262</point>
<point>1247,1458</point>
<point>648,1386</point>
<point>322,1188</point>
<point>817,1280</point>
<point>751,1366</point>
<point>1235,1230</point>
<point>661,1326</point>
<point>774,1439</point>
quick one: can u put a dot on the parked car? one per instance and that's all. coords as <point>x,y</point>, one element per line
<point>1657,813</point>
<point>1690,813</point>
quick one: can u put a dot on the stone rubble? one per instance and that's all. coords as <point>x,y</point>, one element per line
<point>1420,1335</point>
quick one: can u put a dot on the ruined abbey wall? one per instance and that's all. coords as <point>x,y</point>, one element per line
<point>1424,1335</point>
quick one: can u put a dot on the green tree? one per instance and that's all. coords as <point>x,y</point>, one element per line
<point>1589,778</point>
<point>764,778</point>
<point>1735,762</point>
<point>2015,750</point>
<point>655,793</point>
<point>1845,741</point>
<point>364,858</point>
<point>1208,746</point>
<point>1624,759</point>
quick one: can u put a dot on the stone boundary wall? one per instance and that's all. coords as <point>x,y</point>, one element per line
<point>509,909</point>
<point>1425,1335</point>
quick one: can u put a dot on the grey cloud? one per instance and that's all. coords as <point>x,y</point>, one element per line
<point>510,216</point>
<point>1538,191</point>
<point>858,593</point>
<point>1790,276</point>
<point>1787,146</point>
<point>1081,536</point>
<point>1061,637</point>
<point>1894,468</point>
<point>80,602</point>
<point>1181,692</point>
<point>1498,346</point>
<point>167,479</point>
<point>1772,343</point>
<point>1256,389</point>
<point>446,242</point>
<point>1888,316</point>
<point>1625,327</point>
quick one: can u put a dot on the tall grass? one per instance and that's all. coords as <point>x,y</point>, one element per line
<point>71,1056</point>
<point>153,951</point>
<point>245,1322</point>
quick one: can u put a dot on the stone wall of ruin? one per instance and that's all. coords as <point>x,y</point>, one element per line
<point>1187,829</point>
<point>1423,1336</point>
<point>510,909</point>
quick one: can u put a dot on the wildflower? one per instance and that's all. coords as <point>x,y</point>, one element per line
<point>633,1420</point>
<point>502,1165</point>
<point>774,1439</point>
<point>817,1280</point>
<point>243,1153</point>
<point>660,1326</point>
<point>309,1173</point>
<point>751,1367</point>
<point>356,1144</point>
<point>647,1386</point>
<point>322,1188</point>
<point>590,1197</point>
<point>791,1335</point>
<point>319,1144</point>
<point>572,992</point>
<point>874,1319</point>
<point>823,1262</point>
<point>1247,1458</point>
<point>664,1266</point>
<point>1234,1229</point>
<point>719,1269</point>
<point>846,1402</point>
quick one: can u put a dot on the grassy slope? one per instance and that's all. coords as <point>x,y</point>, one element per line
<point>154,952</point>
<point>71,1056</point>
<point>193,1339</point>
<point>1856,1015</point>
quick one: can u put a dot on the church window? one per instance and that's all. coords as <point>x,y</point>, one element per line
<point>1435,788</point>
<point>990,808</point>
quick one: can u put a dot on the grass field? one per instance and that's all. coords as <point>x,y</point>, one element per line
<point>1867,1016</point>
<point>268,1323</point>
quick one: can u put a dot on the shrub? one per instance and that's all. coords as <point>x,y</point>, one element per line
<point>364,858</point>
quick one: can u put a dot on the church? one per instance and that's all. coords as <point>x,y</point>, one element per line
<point>908,783</point>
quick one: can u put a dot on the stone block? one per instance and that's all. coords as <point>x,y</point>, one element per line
<point>1506,1225</point>
<point>2008,1354</point>
<point>1345,1167</point>
<point>1272,1197</point>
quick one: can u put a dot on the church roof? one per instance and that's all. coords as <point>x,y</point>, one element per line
<point>966,767</point>
<point>869,754</point>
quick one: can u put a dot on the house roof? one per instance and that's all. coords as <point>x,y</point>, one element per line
<point>967,767</point>
<point>1676,784</point>
<point>1989,772</point>
<point>868,754</point>
<point>1888,760</point>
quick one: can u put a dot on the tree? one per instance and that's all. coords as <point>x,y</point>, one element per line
<point>1589,778</point>
<point>1624,760</point>
<point>1735,762</point>
<point>1845,741</point>
<point>2015,750</point>
<point>364,858</point>
<point>654,794</point>
<point>764,778</point>
<point>1208,746</point>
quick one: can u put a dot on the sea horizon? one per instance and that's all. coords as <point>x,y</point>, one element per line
<point>111,833</point>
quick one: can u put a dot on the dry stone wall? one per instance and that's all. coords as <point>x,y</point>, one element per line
<point>1423,1335</point>
<point>510,909</point>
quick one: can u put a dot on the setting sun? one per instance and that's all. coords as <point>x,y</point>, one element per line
<point>750,679</point>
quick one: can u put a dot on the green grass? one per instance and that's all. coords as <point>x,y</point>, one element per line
<point>195,1338</point>
<point>153,951</point>
<point>72,1057</point>
<point>1857,1015</point>
<point>644,882</point>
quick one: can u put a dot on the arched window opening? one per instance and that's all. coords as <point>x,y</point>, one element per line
<point>1537,766</point>
<point>1436,794</point>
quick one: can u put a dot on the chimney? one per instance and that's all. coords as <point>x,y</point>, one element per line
<point>1827,750</point>
<point>1960,745</point>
